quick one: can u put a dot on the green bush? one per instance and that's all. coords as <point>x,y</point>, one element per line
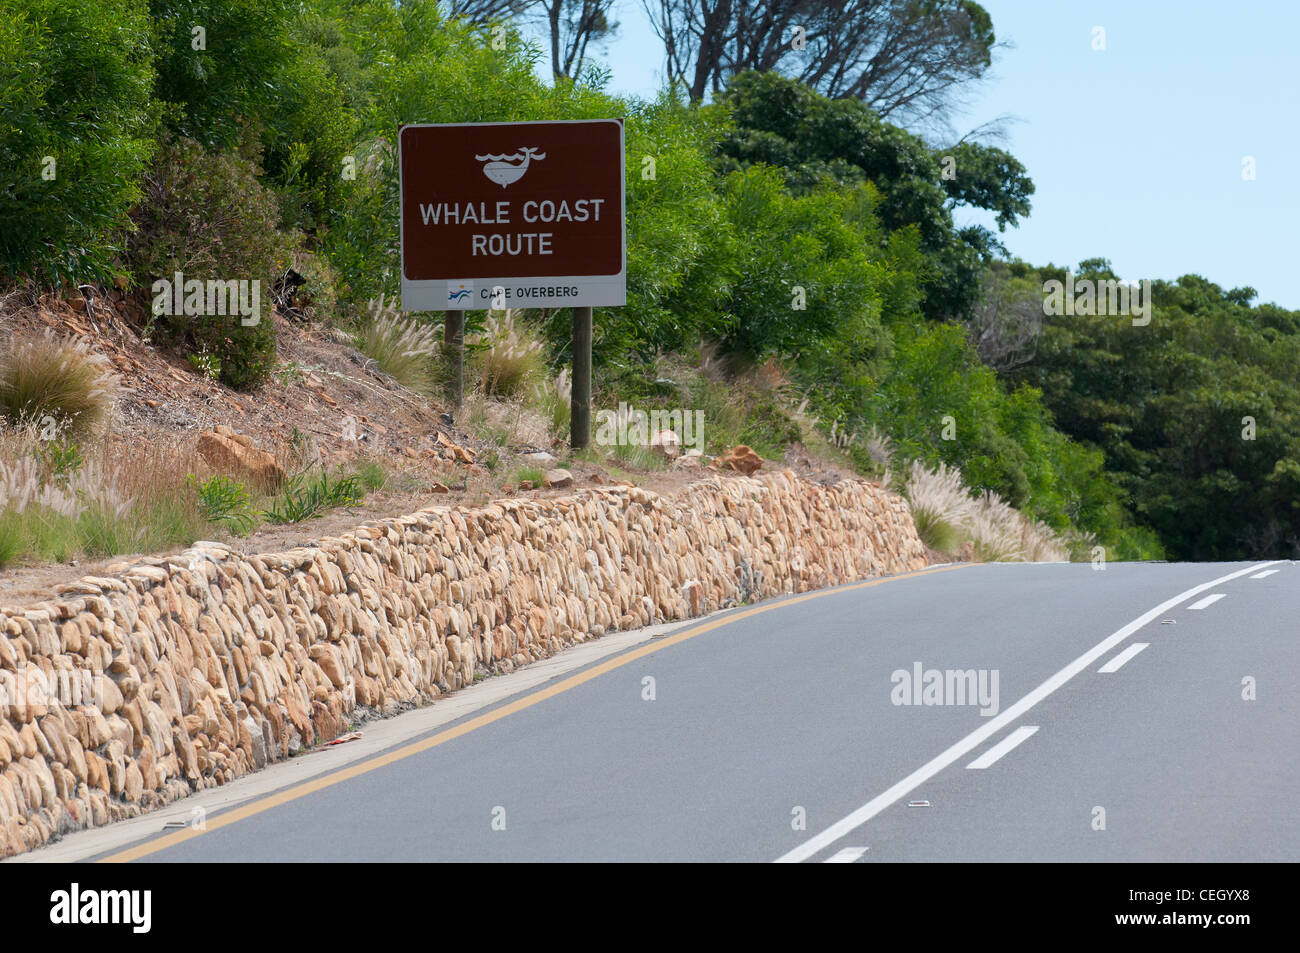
<point>61,458</point>
<point>803,265</point>
<point>224,500</point>
<point>318,296</point>
<point>75,78</point>
<point>207,215</point>
<point>681,250</point>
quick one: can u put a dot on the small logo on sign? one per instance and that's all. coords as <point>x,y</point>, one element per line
<point>456,293</point>
<point>503,169</point>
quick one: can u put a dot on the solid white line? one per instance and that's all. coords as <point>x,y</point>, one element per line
<point>932,767</point>
<point>1118,661</point>
<point>1265,574</point>
<point>1023,733</point>
<point>1207,601</point>
<point>847,856</point>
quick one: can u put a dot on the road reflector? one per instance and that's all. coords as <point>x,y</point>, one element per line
<point>918,803</point>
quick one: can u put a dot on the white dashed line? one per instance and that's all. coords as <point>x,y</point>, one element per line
<point>847,856</point>
<point>866,812</point>
<point>1265,574</point>
<point>1114,664</point>
<point>1012,740</point>
<point>1207,601</point>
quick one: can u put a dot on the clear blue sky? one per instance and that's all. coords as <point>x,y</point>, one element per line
<point>1136,152</point>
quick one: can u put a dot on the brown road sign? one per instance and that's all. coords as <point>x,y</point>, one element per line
<point>513,214</point>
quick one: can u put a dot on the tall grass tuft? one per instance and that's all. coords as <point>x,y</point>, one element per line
<point>55,380</point>
<point>554,400</point>
<point>511,355</point>
<point>941,506</point>
<point>996,530</point>
<point>946,515</point>
<point>403,347</point>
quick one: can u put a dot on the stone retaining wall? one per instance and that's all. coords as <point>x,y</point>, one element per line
<point>124,693</point>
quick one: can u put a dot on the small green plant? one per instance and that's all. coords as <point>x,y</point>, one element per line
<point>371,474</point>
<point>534,475</point>
<point>288,374</point>
<point>61,458</point>
<point>206,364</point>
<point>11,538</point>
<point>223,500</point>
<point>935,531</point>
<point>304,497</point>
<point>637,457</point>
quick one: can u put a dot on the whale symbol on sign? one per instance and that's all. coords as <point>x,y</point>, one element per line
<point>501,170</point>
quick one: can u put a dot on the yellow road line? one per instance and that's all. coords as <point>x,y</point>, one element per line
<point>363,767</point>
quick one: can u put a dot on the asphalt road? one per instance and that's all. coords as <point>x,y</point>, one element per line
<point>774,732</point>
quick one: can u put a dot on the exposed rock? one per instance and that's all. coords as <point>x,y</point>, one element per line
<point>741,459</point>
<point>559,478</point>
<point>229,452</point>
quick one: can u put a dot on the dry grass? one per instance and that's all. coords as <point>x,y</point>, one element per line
<point>946,515</point>
<point>58,384</point>
<point>511,358</point>
<point>880,449</point>
<point>403,347</point>
<point>111,499</point>
<point>554,400</point>
<point>505,423</point>
<point>108,501</point>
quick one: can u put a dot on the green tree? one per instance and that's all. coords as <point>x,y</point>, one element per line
<point>1197,413</point>
<point>220,63</point>
<point>75,132</point>
<point>787,124</point>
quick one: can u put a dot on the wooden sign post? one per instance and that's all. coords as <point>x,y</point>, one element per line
<point>515,215</point>
<point>453,345</point>
<point>580,402</point>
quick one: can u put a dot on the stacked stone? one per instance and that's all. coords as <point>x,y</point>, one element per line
<point>172,675</point>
